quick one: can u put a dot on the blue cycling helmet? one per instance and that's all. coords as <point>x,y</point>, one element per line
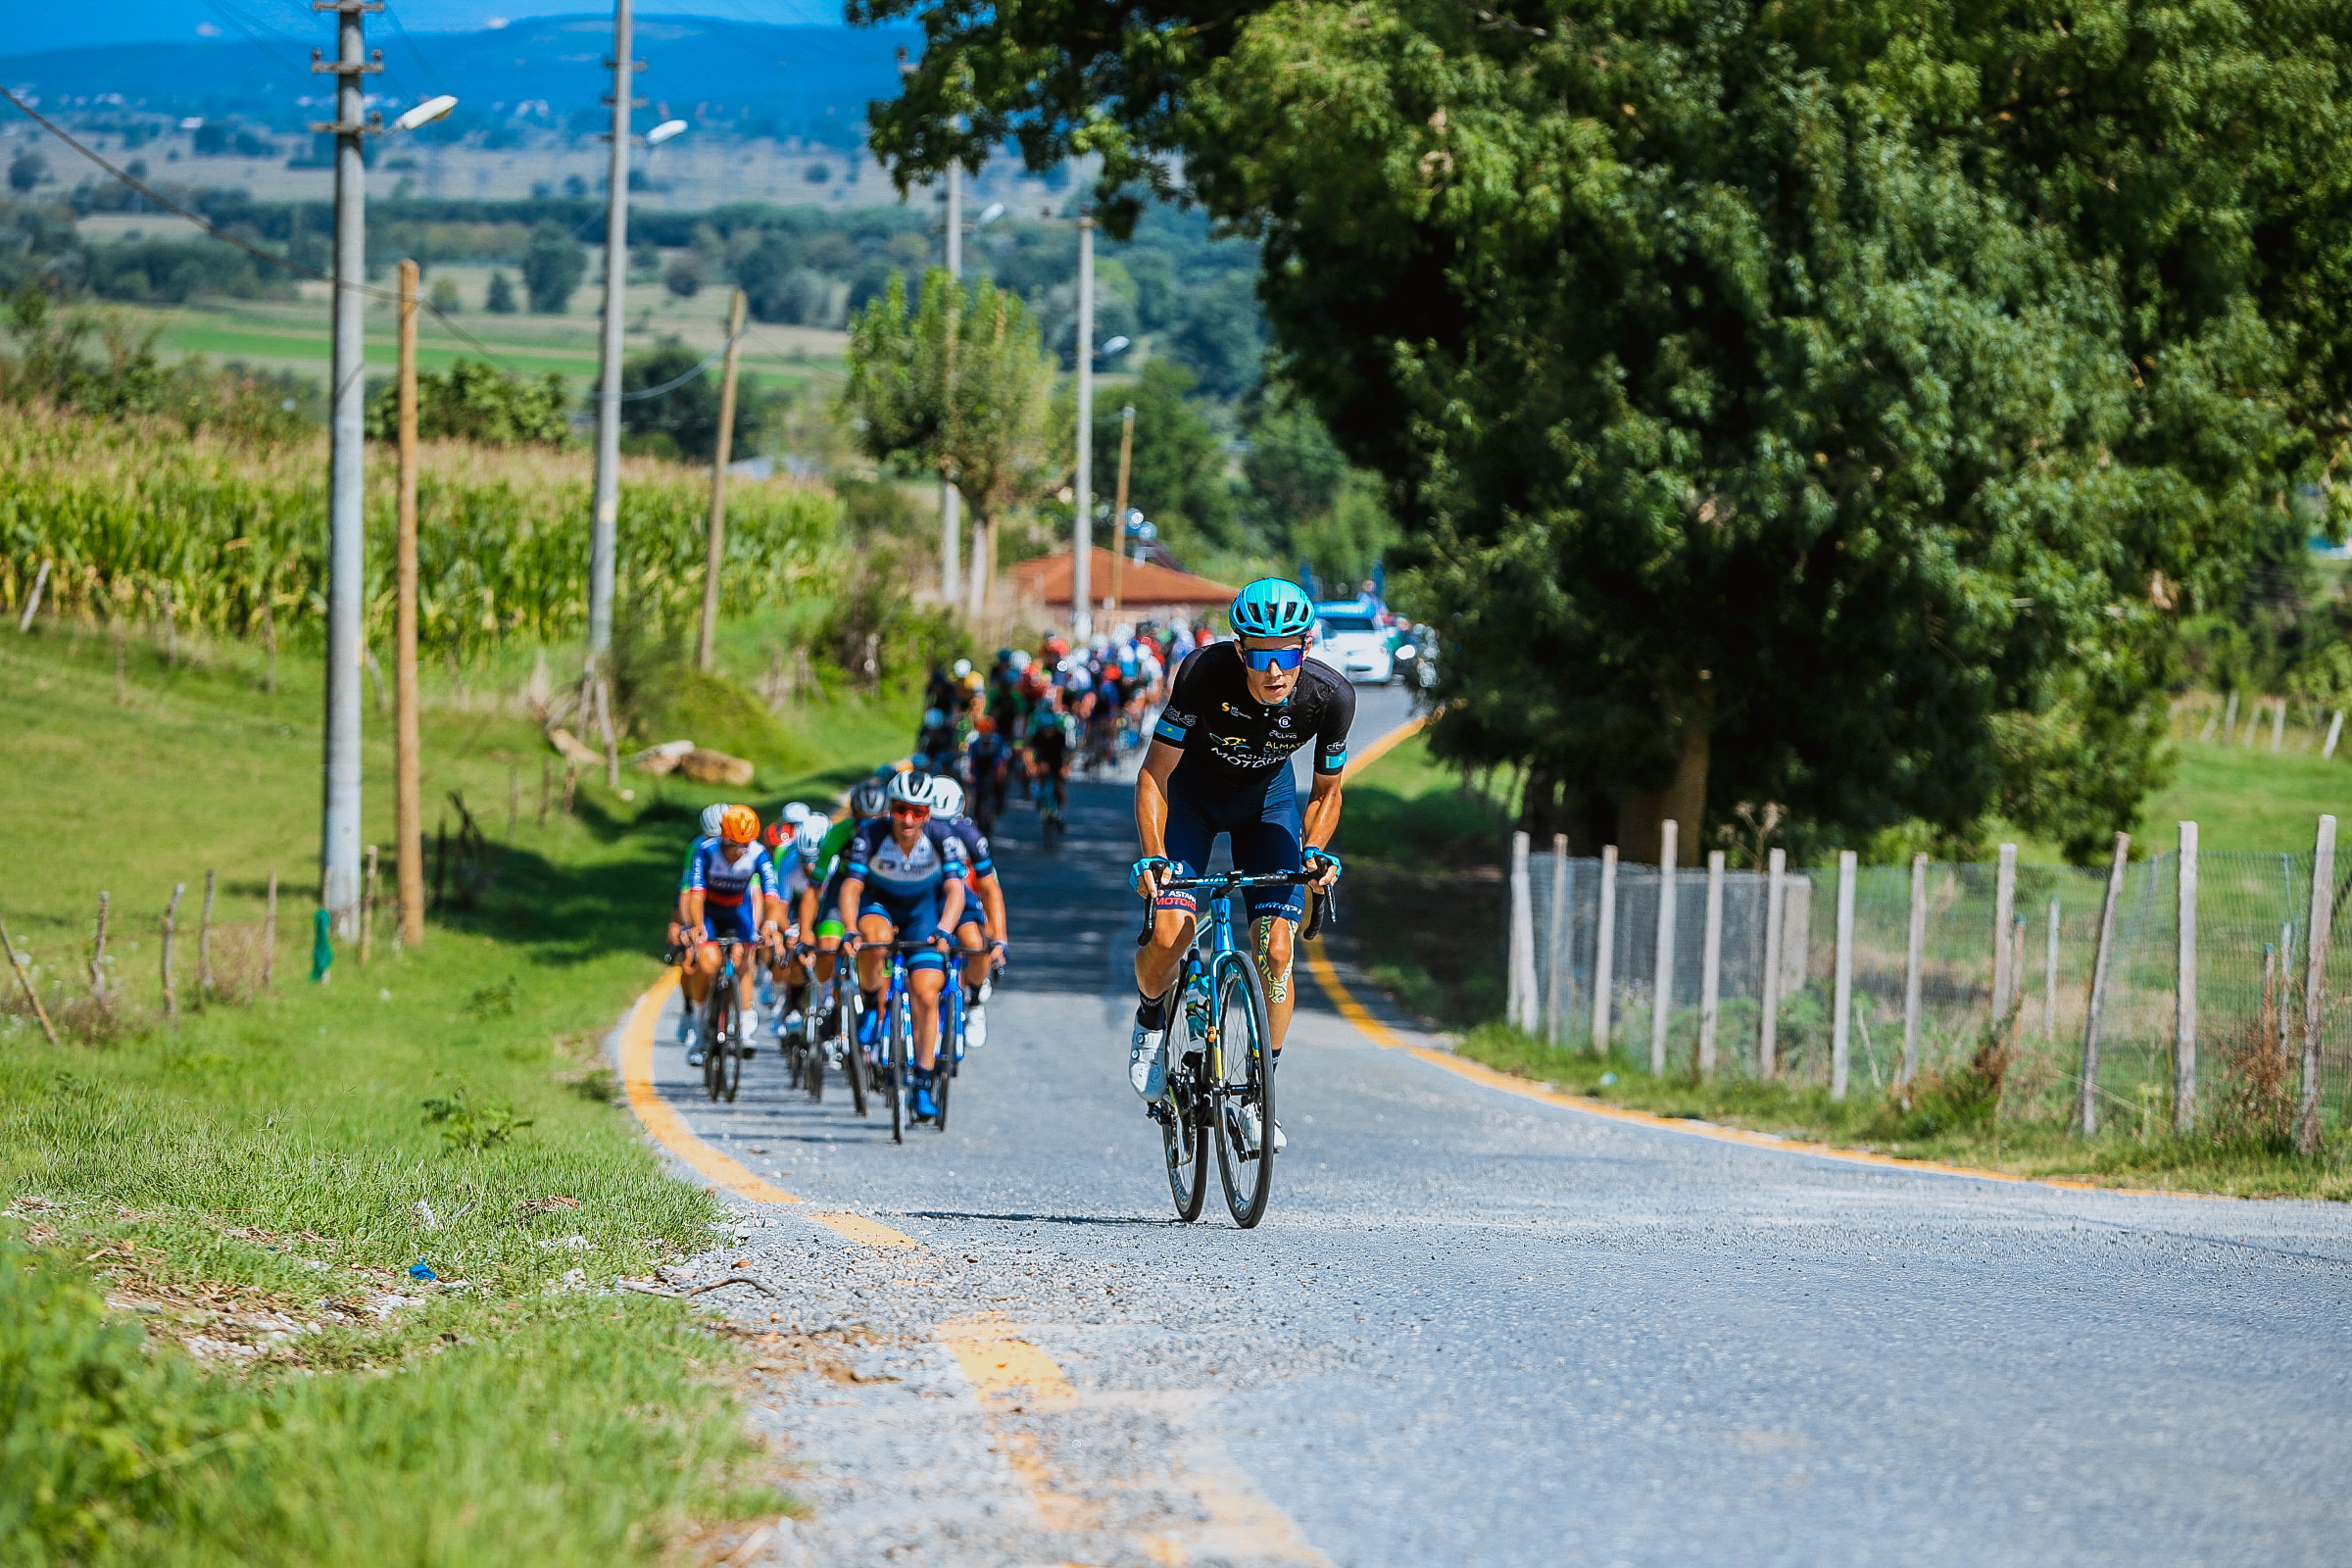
<point>1271,607</point>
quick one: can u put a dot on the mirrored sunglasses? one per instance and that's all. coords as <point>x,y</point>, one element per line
<point>1263,660</point>
<point>908,808</point>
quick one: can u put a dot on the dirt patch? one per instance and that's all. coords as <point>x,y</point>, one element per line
<point>830,1355</point>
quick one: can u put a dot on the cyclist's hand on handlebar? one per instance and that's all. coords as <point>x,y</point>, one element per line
<point>1327,865</point>
<point>944,941</point>
<point>1143,875</point>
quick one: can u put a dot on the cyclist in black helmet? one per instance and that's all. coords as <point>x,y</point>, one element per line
<point>1221,762</point>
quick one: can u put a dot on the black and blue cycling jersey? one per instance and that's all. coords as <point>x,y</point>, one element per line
<point>976,856</point>
<point>1234,775</point>
<point>905,886</point>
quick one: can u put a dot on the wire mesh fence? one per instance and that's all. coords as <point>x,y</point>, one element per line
<point>2249,983</point>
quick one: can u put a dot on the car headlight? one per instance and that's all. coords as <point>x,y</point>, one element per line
<point>1405,651</point>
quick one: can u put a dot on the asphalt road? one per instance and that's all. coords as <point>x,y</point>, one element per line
<point>1477,1329</point>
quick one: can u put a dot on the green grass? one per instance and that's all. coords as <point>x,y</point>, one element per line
<point>1936,1123</point>
<point>272,1154</point>
<point>2243,798</point>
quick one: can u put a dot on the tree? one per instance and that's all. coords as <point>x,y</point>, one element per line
<point>552,268</point>
<point>958,387</point>
<point>1294,468</point>
<point>1822,405</point>
<point>475,400</point>
<point>500,300</point>
<point>1219,339</point>
<point>26,171</point>
<point>687,415</point>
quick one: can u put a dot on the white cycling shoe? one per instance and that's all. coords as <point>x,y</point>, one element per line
<point>975,1021</point>
<point>1247,1115</point>
<point>1144,1069</point>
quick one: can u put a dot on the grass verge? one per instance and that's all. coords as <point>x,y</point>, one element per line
<point>213,1343</point>
<point>1953,1119</point>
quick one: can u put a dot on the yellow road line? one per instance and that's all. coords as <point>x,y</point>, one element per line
<point>1356,1013</point>
<point>1382,746</point>
<point>671,1131</point>
<point>996,1361</point>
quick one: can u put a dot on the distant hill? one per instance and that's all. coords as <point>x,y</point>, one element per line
<point>810,81</point>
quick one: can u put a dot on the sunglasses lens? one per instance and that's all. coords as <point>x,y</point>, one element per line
<point>1265,658</point>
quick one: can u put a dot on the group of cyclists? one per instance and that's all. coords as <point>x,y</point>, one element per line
<point>907,866</point>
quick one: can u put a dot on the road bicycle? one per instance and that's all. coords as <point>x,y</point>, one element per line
<point>892,1072</point>
<point>723,1045</point>
<point>1218,1049</point>
<point>842,1021</point>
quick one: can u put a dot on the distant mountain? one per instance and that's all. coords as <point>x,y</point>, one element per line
<point>810,81</point>
<point>41,29</point>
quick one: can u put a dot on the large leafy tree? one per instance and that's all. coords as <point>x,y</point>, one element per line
<point>958,385</point>
<point>1829,404</point>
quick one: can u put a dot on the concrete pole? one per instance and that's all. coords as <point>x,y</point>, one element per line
<point>1604,954</point>
<point>715,547</point>
<point>1710,967</point>
<point>601,544</point>
<point>1842,1006</point>
<point>1082,528</point>
<point>1776,905</point>
<point>2004,905</point>
<point>1555,983</point>
<point>2315,981</point>
<point>1914,960</point>
<point>2184,987</point>
<point>1523,941</point>
<point>407,805</point>
<point>950,502</point>
<point>2086,1094</point>
<point>347,539</point>
<point>1661,990</point>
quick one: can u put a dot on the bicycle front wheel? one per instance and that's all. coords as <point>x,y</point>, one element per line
<point>714,1021</point>
<point>902,1065</point>
<point>844,1024</point>
<point>1242,1071</point>
<point>1184,1135</point>
<point>730,1054</point>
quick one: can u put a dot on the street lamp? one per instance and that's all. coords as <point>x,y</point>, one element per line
<point>426,113</point>
<point>1112,346</point>
<point>665,131</point>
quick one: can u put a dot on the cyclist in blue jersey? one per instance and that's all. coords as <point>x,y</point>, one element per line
<point>731,892</point>
<point>905,874</point>
<point>712,815</point>
<point>787,965</point>
<point>1221,764</point>
<point>982,930</point>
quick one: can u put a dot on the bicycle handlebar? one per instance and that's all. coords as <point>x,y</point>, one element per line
<point>1322,907</point>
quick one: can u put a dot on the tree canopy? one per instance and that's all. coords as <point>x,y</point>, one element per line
<point>1834,405</point>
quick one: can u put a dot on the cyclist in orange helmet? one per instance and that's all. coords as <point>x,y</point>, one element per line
<point>731,892</point>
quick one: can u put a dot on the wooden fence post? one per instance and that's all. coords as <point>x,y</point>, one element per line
<point>1661,996</point>
<point>1522,988</point>
<point>408,798</point>
<point>26,980</point>
<point>2314,984</point>
<point>2005,904</point>
<point>2278,725</point>
<point>1841,1006</point>
<point>170,925</point>
<point>2336,732</point>
<point>2087,1099</point>
<point>547,786</point>
<point>2230,721</point>
<point>269,937</point>
<point>1775,901</point>
<point>367,909</point>
<point>2049,982</point>
<point>32,604</point>
<point>603,713</point>
<point>1710,964</point>
<point>1604,954</point>
<point>1557,959</point>
<point>2184,987</point>
<point>98,989</point>
<point>204,942</point>
<point>1915,957</point>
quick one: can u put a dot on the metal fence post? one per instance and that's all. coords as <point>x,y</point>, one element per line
<point>1841,1009</point>
<point>1523,941</point>
<point>1775,899</point>
<point>1556,982</point>
<point>2314,984</point>
<point>2184,987</point>
<point>2087,1099</point>
<point>1605,949</point>
<point>2004,905</point>
<point>1710,964</point>
<point>1661,998</point>
<point>1915,956</point>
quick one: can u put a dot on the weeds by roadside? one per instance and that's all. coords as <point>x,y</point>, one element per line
<point>1953,1118</point>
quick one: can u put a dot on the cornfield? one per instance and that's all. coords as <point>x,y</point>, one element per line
<point>136,521</point>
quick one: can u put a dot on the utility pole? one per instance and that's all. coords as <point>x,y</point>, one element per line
<point>608,397</point>
<point>408,809</point>
<point>718,487</point>
<point>1118,511</point>
<point>950,500</point>
<point>1082,542</point>
<point>346,544</point>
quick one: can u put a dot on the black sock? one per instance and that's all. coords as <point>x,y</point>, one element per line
<point>1151,1012</point>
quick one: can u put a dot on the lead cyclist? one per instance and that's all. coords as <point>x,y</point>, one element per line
<point>1221,764</point>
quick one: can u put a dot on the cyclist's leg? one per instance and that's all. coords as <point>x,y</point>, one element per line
<point>1271,843</point>
<point>971,934</point>
<point>926,972</point>
<point>699,969</point>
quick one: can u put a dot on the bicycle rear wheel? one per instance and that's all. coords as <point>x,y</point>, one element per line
<point>730,1054</point>
<point>1184,1135</point>
<point>715,1020</point>
<point>902,1065</point>
<point>951,1033</point>
<point>1245,1081</point>
<point>845,1027</point>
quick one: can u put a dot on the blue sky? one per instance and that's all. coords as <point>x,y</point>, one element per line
<point>32,29</point>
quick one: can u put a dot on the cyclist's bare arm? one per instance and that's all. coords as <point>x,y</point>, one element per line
<point>992,905</point>
<point>853,893</point>
<point>1151,806</point>
<point>1322,819</point>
